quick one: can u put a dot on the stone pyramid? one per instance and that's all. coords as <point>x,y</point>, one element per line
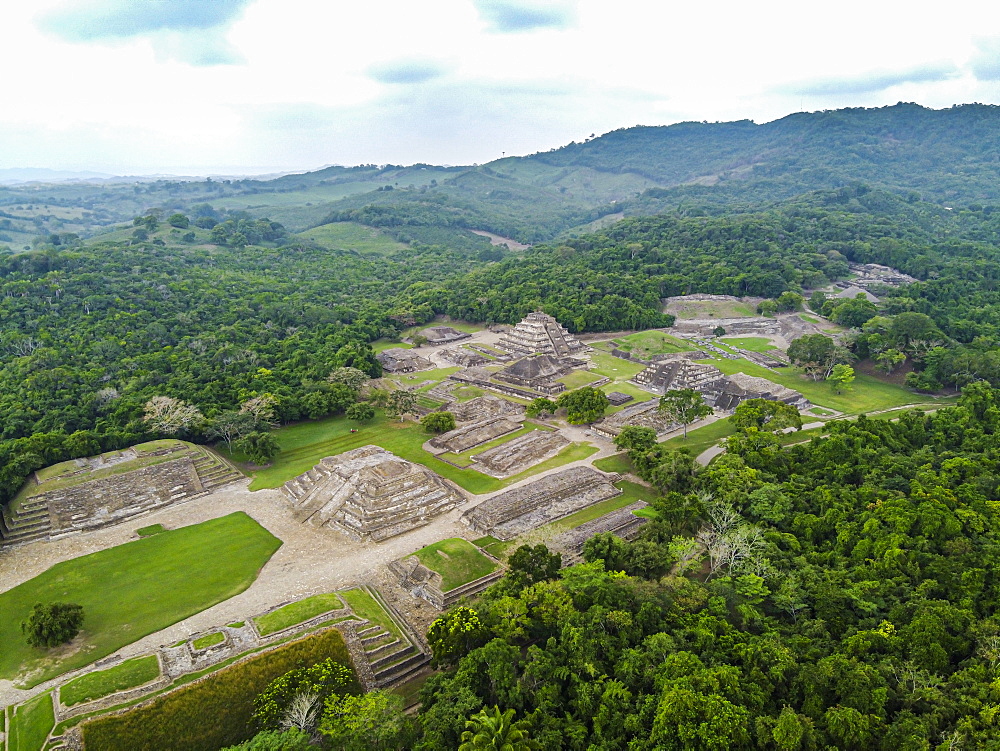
<point>540,333</point>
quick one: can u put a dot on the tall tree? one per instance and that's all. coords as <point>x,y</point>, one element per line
<point>683,406</point>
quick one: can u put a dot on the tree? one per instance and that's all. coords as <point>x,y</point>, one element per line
<point>261,408</point>
<point>635,438</point>
<point>361,412</point>
<point>767,308</point>
<point>231,426</point>
<point>418,340</point>
<point>719,331</point>
<point>842,376</point>
<point>814,353</point>
<point>273,740</point>
<point>765,414</point>
<point>349,377</point>
<point>890,359</point>
<point>370,722</point>
<point>178,220</point>
<point>683,406</point>
<point>170,416</point>
<point>533,564</point>
<point>400,403</point>
<point>789,301</point>
<point>320,680</point>
<point>454,635</point>
<point>261,447</point>
<point>583,406</point>
<point>438,422</point>
<point>495,731</point>
<point>541,406</point>
<point>53,624</point>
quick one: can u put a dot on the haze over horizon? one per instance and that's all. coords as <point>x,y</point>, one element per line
<point>259,86</point>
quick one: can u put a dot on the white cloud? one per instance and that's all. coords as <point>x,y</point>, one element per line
<point>454,81</point>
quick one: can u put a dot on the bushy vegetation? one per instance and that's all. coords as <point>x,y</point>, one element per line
<point>216,711</point>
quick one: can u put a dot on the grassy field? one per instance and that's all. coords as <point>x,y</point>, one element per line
<point>751,343</point>
<point>304,444</point>
<point>365,606</point>
<point>215,712</point>
<point>31,724</point>
<point>702,438</point>
<point>614,367</point>
<point>458,561</point>
<point>152,529</point>
<point>155,582</point>
<point>578,379</point>
<point>128,674</point>
<point>867,394</point>
<point>297,612</point>
<point>655,342</point>
<point>356,237</point>
<point>619,463</point>
<point>686,309</point>
<point>208,640</point>
<point>597,510</point>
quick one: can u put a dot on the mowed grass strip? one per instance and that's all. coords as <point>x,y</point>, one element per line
<point>461,563</point>
<point>214,712</point>
<point>208,640</point>
<point>128,674</point>
<point>297,612</point>
<point>31,724</point>
<point>133,590</point>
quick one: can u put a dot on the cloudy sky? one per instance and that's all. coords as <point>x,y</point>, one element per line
<point>249,86</point>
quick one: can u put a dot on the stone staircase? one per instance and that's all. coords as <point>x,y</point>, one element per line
<point>392,658</point>
<point>213,471</point>
<point>30,521</point>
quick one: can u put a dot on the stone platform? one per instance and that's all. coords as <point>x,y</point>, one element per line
<point>519,453</point>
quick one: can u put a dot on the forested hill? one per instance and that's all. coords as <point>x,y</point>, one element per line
<point>949,154</point>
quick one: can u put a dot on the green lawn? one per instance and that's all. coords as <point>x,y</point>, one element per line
<point>152,529</point>
<point>702,438</point>
<point>436,374</point>
<point>458,561</point>
<point>751,343</point>
<point>590,513</point>
<point>647,343</point>
<point>31,724</point>
<point>465,393</point>
<point>381,345</point>
<point>133,590</point>
<point>351,236</point>
<point>578,379</point>
<point>304,444</point>
<point>493,546</point>
<point>297,612</point>
<point>618,463</point>
<point>128,674</point>
<point>637,394</point>
<point>367,607</point>
<point>867,394</point>
<point>209,640</point>
<point>633,491</point>
<point>614,367</point>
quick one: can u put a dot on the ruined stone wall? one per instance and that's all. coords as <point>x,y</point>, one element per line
<point>110,499</point>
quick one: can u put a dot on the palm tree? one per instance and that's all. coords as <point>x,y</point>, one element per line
<point>495,731</point>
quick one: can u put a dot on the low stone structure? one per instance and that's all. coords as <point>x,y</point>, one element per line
<point>486,408</point>
<point>109,499</point>
<point>677,373</point>
<point>520,453</point>
<point>753,326</point>
<point>483,379</point>
<point>617,398</point>
<point>472,435</point>
<point>851,291</point>
<point>622,523</point>
<point>436,335</point>
<point>540,333</point>
<point>421,582</point>
<point>643,415</point>
<point>369,494</point>
<point>738,387</point>
<point>538,373</point>
<point>463,356</point>
<point>511,513</point>
<point>399,360</point>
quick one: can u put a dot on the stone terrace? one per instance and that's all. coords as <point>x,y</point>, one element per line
<point>520,453</point>
<point>486,407</point>
<point>514,512</point>
<point>644,415</point>
<point>369,493</point>
<point>469,436</point>
<point>622,523</point>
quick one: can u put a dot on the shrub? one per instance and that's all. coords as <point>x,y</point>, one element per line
<point>53,624</point>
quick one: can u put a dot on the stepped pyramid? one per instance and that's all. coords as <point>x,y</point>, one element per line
<point>540,333</point>
<point>369,494</point>
<point>679,373</point>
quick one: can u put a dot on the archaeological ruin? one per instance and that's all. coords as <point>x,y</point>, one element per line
<point>643,415</point>
<point>540,333</point>
<point>739,386</point>
<point>437,335</point>
<point>519,453</point>
<point>512,513</point>
<point>463,357</point>
<point>486,408</point>
<point>369,494</point>
<point>98,491</point>
<point>538,373</point>
<point>399,360</point>
<point>675,373</point>
<point>475,434</point>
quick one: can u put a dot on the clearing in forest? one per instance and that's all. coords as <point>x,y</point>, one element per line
<point>133,590</point>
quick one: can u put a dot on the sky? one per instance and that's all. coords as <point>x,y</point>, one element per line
<point>195,87</point>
